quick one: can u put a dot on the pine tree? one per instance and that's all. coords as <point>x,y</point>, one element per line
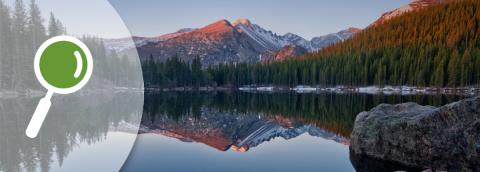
<point>197,73</point>
<point>6,60</point>
<point>53,29</point>
<point>21,52</point>
<point>35,36</point>
<point>453,69</point>
<point>35,28</point>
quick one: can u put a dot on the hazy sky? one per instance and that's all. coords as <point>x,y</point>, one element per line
<point>307,18</point>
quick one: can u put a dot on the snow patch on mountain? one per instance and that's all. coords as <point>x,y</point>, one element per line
<point>267,39</point>
<point>298,40</point>
<point>274,42</point>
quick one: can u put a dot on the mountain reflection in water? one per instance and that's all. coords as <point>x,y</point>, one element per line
<point>234,130</point>
<point>240,121</point>
<point>205,131</point>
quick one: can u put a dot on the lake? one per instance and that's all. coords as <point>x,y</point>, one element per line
<point>241,131</point>
<point>82,132</point>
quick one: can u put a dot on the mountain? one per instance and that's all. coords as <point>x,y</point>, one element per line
<point>415,5</point>
<point>223,42</point>
<point>275,42</point>
<point>216,43</point>
<point>436,47</point>
<point>242,41</point>
<point>125,43</point>
<point>318,43</point>
<point>267,39</point>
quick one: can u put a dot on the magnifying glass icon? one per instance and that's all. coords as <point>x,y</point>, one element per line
<point>63,65</point>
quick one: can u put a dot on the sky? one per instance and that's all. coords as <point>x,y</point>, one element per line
<point>307,18</point>
<point>82,17</point>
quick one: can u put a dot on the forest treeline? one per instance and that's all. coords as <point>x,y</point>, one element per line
<point>438,46</point>
<point>173,73</point>
<point>23,30</point>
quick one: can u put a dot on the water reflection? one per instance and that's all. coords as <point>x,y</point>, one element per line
<point>238,131</point>
<point>253,123</point>
<point>75,122</point>
<point>331,112</point>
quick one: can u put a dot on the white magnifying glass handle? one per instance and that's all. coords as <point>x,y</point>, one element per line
<point>39,115</point>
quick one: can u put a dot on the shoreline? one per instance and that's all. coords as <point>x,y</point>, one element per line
<point>29,93</point>
<point>388,90</point>
<point>300,89</point>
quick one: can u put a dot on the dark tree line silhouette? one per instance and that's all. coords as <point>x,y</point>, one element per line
<point>173,73</point>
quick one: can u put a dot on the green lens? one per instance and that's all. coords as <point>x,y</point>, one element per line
<point>58,64</point>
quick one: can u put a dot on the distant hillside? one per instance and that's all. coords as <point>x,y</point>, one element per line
<point>452,25</point>
<point>438,45</point>
<point>415,5</point>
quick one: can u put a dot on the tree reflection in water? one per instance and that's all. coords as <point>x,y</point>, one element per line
<point>64,129</point>
<point>240,120</point>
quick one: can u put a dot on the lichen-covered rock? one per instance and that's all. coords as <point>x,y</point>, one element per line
<point>444,138</point>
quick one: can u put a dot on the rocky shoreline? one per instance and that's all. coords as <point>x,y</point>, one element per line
<point>422,137</point>
<point>398,90</point>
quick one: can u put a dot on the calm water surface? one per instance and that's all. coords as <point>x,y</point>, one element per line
<point>238,131</point>
<point>93,132</point>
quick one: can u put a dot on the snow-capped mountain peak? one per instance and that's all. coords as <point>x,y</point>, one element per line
<point>240,41</point>
<point>267,39</point>
<point>274,42</point>
<point>298,40</point>
<point>242,21</point>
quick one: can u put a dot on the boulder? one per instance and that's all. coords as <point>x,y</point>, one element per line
<point>426,137</point>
